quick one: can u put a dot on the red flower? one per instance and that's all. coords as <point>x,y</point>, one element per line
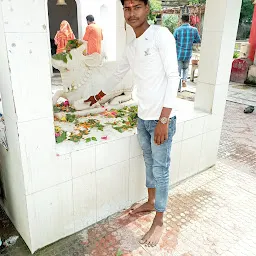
<point>66,103</point>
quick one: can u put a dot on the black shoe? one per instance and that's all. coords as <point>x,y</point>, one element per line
<point>249,110</point>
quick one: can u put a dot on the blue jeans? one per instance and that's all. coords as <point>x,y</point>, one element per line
<point>157,159</point>
<point>183,70</point>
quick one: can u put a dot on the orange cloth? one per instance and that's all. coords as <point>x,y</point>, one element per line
<point>93,35</point>
<point>63,36</point>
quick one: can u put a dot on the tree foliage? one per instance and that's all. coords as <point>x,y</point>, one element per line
<point>246,11</point>
<point>171,21</point>
<point>155,5</point>
<point>196,1</point>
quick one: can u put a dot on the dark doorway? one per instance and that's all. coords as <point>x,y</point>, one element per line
<point>58,13</point>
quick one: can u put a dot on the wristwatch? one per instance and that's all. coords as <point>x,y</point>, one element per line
<point>163,120</point>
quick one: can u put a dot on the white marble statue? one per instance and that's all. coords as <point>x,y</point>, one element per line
<point>83,76</point>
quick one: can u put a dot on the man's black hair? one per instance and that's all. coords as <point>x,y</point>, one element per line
<point>144,1</point>
<point>185,17</point>
<point>90,18</point>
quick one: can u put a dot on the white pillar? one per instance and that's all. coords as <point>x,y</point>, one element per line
<point>10,161</point>
<point>218,43</point>
<point>220,29</point>
<point>31,167</point>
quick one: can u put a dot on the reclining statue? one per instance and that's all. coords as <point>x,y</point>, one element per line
<point>84,75</point>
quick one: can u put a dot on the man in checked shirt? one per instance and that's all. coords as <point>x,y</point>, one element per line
<point>185,37</point>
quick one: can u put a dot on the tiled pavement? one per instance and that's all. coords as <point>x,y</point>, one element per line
<point>213,213</point>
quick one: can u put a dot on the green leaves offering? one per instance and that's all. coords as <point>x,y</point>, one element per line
<point>72,44</point>
<point>91,139</point>
<point>62,56</point>
<point>62,137</point>
<point>132,119</point>
<point>70,118</point>
<point>75,138</point>
<point>56,109</point>
<point>126,118</point>
<point>62,108</point>
<point>95,123</point>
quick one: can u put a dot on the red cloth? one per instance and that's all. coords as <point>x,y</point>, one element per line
<point>194,20</point>
<point>252,39</point>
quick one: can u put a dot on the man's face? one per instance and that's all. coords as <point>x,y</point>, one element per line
<point>135,12</point>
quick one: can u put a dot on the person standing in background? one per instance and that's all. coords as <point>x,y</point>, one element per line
<point>63,36</point>
<point>93,35</point>
<point>185,37</point>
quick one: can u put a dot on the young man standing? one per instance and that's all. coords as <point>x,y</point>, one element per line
<point>152,58</point>
<point>93,35</point>
<point>185,37</point>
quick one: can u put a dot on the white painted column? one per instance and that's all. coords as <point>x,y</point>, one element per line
<point>220,29</point>
<point>37,180</point>
<point>10,161</point>
<point>219,36</point>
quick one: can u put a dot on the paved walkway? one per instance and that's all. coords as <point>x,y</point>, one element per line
<point>238,93</point>
<point>242,94</point>
<point>213,213</point>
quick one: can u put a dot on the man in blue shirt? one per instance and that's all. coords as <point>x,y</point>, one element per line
<point>185,37</point>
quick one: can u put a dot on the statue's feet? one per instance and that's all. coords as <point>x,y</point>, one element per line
<point>121,99</point>
<point>81,105</point>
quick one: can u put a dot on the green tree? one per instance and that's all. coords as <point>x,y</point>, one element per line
<point>245,20</point>
<point>196,1</point>
<point>171,22</point>
<point>155,5</point>
<point>246,11</point>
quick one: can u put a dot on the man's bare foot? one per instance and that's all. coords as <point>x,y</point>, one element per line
<point>153,236</point>
<point>146,207</point>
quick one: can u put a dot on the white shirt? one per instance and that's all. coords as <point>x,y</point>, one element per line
<point>153,60</point>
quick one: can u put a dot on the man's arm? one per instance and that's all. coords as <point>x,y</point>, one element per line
<point>197,39</point>
<point>167,49</point>
<point>175,34</point>
<point>87,32</point>
<point>110,84</point>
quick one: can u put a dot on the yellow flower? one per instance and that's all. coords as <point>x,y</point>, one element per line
<point>57,129</point>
